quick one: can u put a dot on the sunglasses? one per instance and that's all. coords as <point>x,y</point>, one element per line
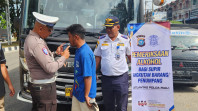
<point>49,29</point>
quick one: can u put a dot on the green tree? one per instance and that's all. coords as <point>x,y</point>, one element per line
<point>3,24</point>
<point>2,6</point>
<point>12,14</point>
<point>15,11</point>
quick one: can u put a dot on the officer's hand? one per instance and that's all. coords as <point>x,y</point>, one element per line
<point>66,53</point>
<point>59,49</point>
<point>12,91</point>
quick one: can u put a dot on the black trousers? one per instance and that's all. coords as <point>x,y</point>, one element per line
<point>115,92</point>
<point>43,97</point>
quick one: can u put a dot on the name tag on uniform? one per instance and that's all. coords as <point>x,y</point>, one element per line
<point>120,44</point>
<point>105,44</point>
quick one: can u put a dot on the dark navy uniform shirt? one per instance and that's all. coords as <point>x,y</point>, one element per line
<point>2,61</point>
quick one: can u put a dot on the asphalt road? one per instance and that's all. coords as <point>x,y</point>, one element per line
<point>185,98</point>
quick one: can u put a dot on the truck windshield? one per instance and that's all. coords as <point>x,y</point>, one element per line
<point>184,42</point>
<point>89,13</point>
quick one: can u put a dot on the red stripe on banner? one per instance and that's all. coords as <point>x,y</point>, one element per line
<point>165,24</point>
<point>162,1</point>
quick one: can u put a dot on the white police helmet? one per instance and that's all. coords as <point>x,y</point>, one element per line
<point>49,21</point>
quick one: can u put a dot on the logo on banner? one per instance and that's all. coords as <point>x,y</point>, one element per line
<point>142,103</point>
<point>153,40</point>
<point>141,40</point>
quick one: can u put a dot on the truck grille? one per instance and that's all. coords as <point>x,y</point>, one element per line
<point>65,78</point>
<point>185,64</point>
<point>182,70</point>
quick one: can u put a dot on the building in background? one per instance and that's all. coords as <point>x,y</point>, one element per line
<point>185,11</point>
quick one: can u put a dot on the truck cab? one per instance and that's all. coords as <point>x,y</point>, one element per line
<point>91,14</point>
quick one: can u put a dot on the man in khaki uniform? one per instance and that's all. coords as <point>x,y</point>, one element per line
<point>41,63</point>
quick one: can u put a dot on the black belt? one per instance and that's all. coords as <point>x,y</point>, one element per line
<point>40,86</point>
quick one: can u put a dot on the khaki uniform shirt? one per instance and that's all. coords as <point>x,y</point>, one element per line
<point>39,58</point>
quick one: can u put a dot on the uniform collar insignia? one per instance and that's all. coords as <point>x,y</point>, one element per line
<point>108,20</point>
<point>105,41</point>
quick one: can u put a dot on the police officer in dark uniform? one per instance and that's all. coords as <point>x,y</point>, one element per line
<point>41,63</point>
<point>4,76</point>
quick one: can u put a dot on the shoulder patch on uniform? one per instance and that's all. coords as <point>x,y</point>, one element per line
<point>97,43</point>
<point>124,36</point>
<point>45,51</point>
<point>101,37</point>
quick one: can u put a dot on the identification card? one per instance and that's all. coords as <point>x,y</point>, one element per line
<point>117,56</point>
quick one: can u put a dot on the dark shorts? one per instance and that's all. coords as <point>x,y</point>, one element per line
<point>115,92</point>
<point>43,96</point>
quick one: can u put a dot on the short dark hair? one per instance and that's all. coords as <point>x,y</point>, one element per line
<point>76,29</point>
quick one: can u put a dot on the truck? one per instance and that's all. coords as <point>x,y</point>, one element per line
<point>184,44</point>
<point>91,14</point>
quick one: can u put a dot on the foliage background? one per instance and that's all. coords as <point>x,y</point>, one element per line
<point>15,12</point>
